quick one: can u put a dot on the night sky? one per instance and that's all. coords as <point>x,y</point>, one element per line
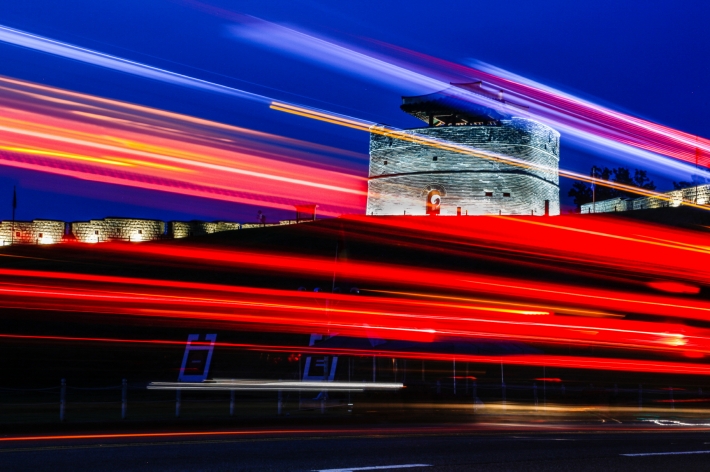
<point>649,59</point>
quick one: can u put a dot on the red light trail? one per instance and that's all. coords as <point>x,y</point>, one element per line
<point>570,362</point>
<point>564,112</point>
<point>551,105</point>
<point>61,132</point>
<point>483,306</point>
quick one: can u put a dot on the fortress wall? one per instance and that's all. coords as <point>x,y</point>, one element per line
<point>258,225</point>
<point>699,195</point>
<point>112,229</point>
<point>123,229</point>
<point>606,206</point>
<point>184,229</point>
<point>32,232</point>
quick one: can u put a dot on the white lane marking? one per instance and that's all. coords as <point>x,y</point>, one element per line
<point>665,453</point>
<point>376,467</point>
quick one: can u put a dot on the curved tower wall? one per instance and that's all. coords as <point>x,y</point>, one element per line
<point>403,174</point>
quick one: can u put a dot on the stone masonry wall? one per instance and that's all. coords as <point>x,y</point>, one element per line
<point>402,173</point>
<point>258,225</point>
<point>674,198</point>
<point>184,229</point>
<point>115,229</point>
<point>32,232</point>
<point>607,206</point>
<point>123,229</point>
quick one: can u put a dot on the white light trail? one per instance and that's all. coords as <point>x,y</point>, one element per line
<point>579,130</point>
<point>89,56</point>
<point>269,385</point>
<point>665,453</point>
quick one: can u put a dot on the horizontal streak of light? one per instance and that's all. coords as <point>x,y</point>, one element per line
<point>364,431</point>
<point>676,423</point>
<point>557,309</point>
<point>182,188</point>
<point>69,51</point>
<point>593,298</point>
<point>189,125</point>
<point>66,155</point>
<point>57,135</point>
<point>574,362</point>
<point>547,96</point>
<point>271,385</point>
<point>677,453</point>
<point>406,324</point>
<point>400,318</point>
<point>163,435</point>
<point>259,170</point>
<point>601,243</point>
<point>401,275</point>
<point>670,244</point>
<point>574,117</point>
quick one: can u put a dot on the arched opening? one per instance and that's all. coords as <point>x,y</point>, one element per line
<point>433,202</point>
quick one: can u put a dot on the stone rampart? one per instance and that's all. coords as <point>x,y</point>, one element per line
<point>403,173</point>
<point>31,232</point>
<point>699,195</point>
<point>258,225</point>
<point>115,229</point>
<point>184,229</point>
<point>607,206</point>
<point>118,229</point>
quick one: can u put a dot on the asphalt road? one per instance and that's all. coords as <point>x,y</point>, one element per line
<point>411,448</point>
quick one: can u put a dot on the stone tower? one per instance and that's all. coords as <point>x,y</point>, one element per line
<point>417,179</point>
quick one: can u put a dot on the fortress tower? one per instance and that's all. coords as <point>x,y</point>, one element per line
<point>418,179</point>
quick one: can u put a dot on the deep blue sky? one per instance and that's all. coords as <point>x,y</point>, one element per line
<point>648,58</point>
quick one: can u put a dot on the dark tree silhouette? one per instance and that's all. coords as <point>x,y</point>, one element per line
<point>581,192</point>
<point>585,193</point>
<point>696,180</point>
<point>641,180</point>
<point>602,192</point>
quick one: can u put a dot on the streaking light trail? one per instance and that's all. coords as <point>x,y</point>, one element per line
<point>585,123</point>
<point>511,308</point>
<point>271,385</point>
<point>164,151</point>
<point>388,131</point>
<point>573,123</point>
<point>69,51</point>
<point>575,362</point>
